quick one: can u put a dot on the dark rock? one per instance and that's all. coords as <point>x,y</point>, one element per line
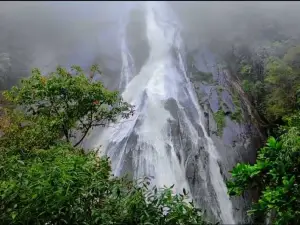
<point>239,142</point>
<point>227,113</point>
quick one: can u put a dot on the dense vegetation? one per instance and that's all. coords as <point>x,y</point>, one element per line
<point>271,82</point>
<point>275,175</point>
<point>46,178</point>
<point>269,75</point>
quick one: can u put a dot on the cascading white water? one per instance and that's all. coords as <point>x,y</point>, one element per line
<point>145,145</point>
<point>128,63</point>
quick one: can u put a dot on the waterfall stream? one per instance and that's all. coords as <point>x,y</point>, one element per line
<point>166,135</point>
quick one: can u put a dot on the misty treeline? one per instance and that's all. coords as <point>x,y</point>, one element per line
<point>45,179</point>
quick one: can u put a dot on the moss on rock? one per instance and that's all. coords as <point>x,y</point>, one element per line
<point>219,117</point>
<point>203,76</point>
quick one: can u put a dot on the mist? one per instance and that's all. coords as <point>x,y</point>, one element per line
<point>47,34</point>
<point>248,22</point>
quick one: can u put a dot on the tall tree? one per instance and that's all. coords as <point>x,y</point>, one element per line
<point>73,101</point>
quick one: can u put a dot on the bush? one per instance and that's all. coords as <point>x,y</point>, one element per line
<point>61,185</point>
<point>276,175</point>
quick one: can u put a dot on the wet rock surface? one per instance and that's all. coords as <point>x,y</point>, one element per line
<point>239,138</point>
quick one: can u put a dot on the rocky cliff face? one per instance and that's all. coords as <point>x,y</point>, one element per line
<point>231,121</point>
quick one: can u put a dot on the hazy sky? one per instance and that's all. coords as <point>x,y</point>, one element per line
<point>51,33</point>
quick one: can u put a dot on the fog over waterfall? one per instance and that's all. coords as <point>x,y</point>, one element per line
<point>143,49</point>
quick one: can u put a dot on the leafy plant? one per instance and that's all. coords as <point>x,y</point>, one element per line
<point>276,175</point>
<point>24,133</point>
<point>292,57</point>
<point>237,115</point>
<point>70,100</point>
<point>61,185</point>
<point>283,84</point>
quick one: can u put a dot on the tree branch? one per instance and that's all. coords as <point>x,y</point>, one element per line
<point>83,136</point>
<point>87,130</point>
<point>65,130</point>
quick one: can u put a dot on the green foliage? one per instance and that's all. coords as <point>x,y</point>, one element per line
<point>219,90</point>
<point>23,132</point>
<point>247,86</point>
<point>237,115</point>
<point>219,117</point>
<point>275,174</point>
<point>270,82</point>
<point>61,185</point>
<point>282,83</point>
<point>246,70</point>
<point>220,114</point>
<point>292,57</point>
<point>70,100</point>
<point>256,93</point>
<point>46,180</point>
<point>236,100</point>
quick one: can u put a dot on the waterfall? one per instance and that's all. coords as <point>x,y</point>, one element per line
<point>166,135</point>
<point>128,69</point>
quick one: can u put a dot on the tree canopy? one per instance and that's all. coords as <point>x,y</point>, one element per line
<point>70,100</point>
